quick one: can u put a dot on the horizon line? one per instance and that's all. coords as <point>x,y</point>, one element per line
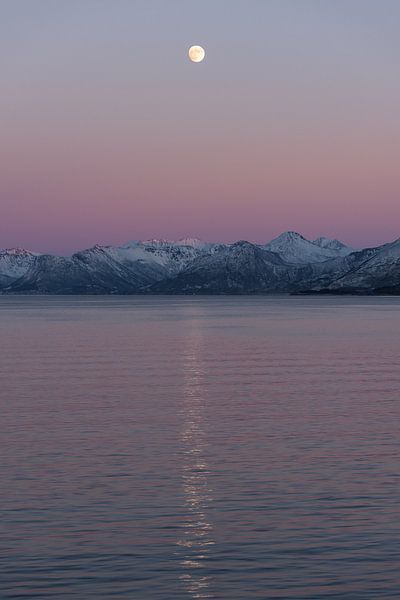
<point>162,240</point>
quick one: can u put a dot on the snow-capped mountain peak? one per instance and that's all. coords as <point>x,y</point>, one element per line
<point>289,263</point>
<point>163,243</point>
<point>15,262</point>
<point>296,249</point>
<point>17,252</point>
<point>333,244</point>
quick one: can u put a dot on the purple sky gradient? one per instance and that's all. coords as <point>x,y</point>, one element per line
<point>109,133</point>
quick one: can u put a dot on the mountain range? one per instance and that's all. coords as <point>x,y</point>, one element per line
<point>288,264</point>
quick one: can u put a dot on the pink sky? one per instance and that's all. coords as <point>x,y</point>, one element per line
<point>110,134</point>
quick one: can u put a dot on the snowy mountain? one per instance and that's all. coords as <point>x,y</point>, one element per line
<point>184,242</point>
<point>239,268</point>
<point>101,269</point>
<point>83,273</point>
<point>169,256</point>
<point>296,249</point>
<point>289,263</point>
<point>333,245</point>
<point>14,263</point>
<point>378,273</point>
<point>294,264</point>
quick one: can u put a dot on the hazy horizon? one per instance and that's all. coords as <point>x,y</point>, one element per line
<point>189,237</point>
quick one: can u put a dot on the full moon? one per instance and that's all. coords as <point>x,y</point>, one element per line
<point>196,54</point>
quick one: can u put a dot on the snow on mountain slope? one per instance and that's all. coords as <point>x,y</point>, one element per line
<point>296,249</point>
<point>237,269</point>
<point>334,245</point>
<point>159,257</point>
<point>82,273</point>
<point>103,269</point>
<point>188,242</point>
<point>290,263</point>
<point>318,276</point>
<point>14,263</point>
<point>194,243</point>
<point>381,270</point>
<point>134,264</point>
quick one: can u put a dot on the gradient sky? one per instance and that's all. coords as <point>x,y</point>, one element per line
<point>109,133</point>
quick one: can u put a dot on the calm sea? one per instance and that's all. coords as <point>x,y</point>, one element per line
<point>168,448</point>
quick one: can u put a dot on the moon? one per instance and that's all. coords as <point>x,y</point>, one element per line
<point>196,54</point>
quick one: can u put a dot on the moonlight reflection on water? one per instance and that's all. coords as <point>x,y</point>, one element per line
<point>197,530</point>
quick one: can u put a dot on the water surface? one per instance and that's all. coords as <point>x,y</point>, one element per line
<point>185,448</point>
